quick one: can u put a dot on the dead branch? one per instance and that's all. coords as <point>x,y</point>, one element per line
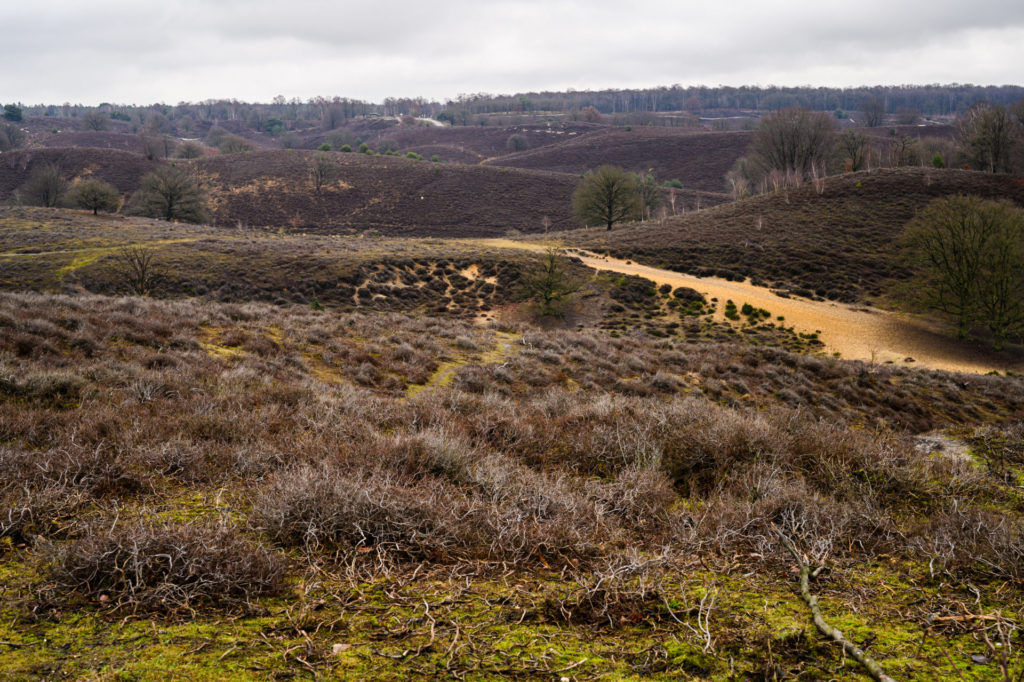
<point>829,631</point>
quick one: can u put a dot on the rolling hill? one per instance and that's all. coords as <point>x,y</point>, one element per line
<point>395,196</point>
<point>698,159</point>
<point>836,243</point>
<point>391,195</point>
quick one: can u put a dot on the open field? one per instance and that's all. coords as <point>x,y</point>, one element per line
<point>394,196</point>
<point>407,496</point>
<point>335,440</point>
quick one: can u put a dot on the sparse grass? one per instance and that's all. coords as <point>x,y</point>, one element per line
<point>569,503</point>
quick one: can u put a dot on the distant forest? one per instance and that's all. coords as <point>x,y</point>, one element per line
<point>917,100</point>
<point>927,100</point>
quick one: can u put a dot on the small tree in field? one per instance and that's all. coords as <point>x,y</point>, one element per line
<point>793,141</point>
<point>169,193</point>
<point>988,135</point>
<point>605,196</point>
<point>135,267</point>
<point>11,136</point>
<point>322,171</point>
<point>550,285</point>
<point>649,196</point>
<point>46,186</point>
<point>874,111</point>
<point>95,195</point>
<point>95,120</point>
<point>969,257</point>
<point>190,150</point>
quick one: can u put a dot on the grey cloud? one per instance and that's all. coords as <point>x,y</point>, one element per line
<point>120,51</point>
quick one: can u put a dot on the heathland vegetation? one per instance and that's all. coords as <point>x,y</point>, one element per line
<point>287,389</point>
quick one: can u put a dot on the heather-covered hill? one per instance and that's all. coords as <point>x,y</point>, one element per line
<point>834,240</point>
<point>476,144</point>
<point>395,196</point>
<point>698,159</point>
<point>391,195</point>
<point>122,169</point>
<point>98,139</point>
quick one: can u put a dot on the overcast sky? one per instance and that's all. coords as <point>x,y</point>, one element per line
<point>140,51</point>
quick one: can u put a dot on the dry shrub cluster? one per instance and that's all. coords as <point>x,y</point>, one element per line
<point>562,450</point>
<point>155,565</point>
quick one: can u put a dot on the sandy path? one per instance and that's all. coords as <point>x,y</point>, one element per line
<point>855,333</point>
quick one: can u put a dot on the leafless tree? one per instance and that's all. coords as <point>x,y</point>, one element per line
<point>855,147</point>
<point>874,111</point>
<point>135,267</point>
<point>322,171</point>
<point>988,135</point>
<point>793,140</point>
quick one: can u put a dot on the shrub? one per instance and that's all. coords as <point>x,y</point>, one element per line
<point>233,144</point>
<point>95,195</point>
<point>164,566</point>
<point>11,137</point>
<point>320,507</point>
<point>325,147</point>
<point>46,186</point>
<point>169,193</point>
<point>190,150</point>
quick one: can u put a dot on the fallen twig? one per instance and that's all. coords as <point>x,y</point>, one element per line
<point>833,633</point>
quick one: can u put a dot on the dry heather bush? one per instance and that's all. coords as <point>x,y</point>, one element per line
<point>42,490</point>
<point>163,566</point>
<point>642,502</point>
<point>623,590</point>
<point>322,507</point>
<point>973,543</point>
<point>732,522</point>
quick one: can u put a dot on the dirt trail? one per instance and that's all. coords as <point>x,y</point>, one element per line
<point>856,333</point>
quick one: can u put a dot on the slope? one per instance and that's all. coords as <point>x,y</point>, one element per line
<point>836,241</point>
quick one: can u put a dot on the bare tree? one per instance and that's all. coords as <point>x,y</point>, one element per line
<point>793,140</point>
<point>904,151</point>
<point>855,148</point>
<point>649,196</point>
<point>46,186</point>
<point>95,120</point>
<point>874,111</point>
<point>135,266</point>
<point>322,171</point>
<point>988,134</point>
<point>11,136</point>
